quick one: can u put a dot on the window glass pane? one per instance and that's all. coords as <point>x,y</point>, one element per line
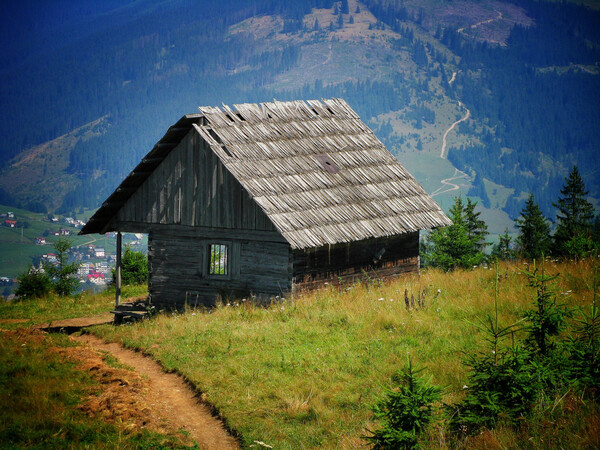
<point>217,264</point>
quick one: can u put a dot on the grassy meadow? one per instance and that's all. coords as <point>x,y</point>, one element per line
<point>41,311</point>
<point>305,371</point>
<point>17,245</point>
<point>48,393</point>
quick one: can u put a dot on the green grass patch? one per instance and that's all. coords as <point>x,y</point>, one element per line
<point>40,391</point>
<point>17,245</point>
<point>19,313</point>
<point>305,372</point>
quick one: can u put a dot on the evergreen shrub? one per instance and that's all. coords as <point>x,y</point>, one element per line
<point>33,283</point>
<point>405,411</point>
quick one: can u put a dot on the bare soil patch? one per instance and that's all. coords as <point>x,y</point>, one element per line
<point>145,396</point>
<point>12,321</point>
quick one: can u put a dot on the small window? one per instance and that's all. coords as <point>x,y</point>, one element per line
<point>218,260</point>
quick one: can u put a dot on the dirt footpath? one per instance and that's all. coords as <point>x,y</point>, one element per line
<point>77,323</point>
<point>156,400</point>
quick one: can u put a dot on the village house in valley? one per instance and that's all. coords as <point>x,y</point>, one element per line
<point>268,198</point>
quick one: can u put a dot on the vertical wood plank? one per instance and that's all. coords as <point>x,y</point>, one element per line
<point>118,270</point>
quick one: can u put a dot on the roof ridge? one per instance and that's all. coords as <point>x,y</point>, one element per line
<point>273,150</point>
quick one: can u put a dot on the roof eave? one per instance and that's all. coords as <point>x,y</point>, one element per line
<point>101,221</point>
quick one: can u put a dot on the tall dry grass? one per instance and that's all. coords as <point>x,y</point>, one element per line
<point>305,371</point>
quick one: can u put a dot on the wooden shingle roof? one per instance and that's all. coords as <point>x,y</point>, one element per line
<point>317,171</point>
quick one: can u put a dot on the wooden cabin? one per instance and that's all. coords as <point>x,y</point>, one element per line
<point>267,198</point>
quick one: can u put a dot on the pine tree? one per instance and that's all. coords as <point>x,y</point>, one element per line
<point>405,411</point>
<point>596,230</point>
<point>345,9</point>
<point>546,318</point>
<point>452,246</point>
<point>534,231</point>
<point>476,227</point>
<point>63,273</point>
<point>503,249</point>
<point>574,217</point>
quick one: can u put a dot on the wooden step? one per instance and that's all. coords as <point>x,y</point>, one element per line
<point>131,307</point>
<point>136,314</point>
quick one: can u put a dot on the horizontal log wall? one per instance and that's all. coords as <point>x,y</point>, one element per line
<point>373,258</point>
<point>192,187</point>
<point>178,262</point>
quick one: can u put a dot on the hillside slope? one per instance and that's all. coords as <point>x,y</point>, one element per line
<point>38,178</point>
<point>306,371</point>
<point>526,72</point>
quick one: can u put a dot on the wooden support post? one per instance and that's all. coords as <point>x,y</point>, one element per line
<point>118,271</point>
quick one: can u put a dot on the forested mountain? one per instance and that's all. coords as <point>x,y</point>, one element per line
<point>506,92</point>
<point>543,92</point>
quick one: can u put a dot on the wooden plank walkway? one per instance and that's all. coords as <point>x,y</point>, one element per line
<point>72,325</point>
<point>135,310</point>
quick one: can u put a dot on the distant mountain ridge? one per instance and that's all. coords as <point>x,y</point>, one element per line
<point>528,73</point>
<point>39,177</point>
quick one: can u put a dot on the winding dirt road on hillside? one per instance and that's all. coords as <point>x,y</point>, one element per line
<point>326,60</point>
<point>164,401</point>
<point>444,153</point>
<point>448,185</point>
<point>483,22</point>
<point>453,78</point>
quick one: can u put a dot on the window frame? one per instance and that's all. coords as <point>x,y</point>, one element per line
<point>208,263</point>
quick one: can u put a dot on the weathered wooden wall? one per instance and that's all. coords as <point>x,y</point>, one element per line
<point>260,263</point>
<point>381,257</point>
<point>192,187</point>
<point>191,200</point>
